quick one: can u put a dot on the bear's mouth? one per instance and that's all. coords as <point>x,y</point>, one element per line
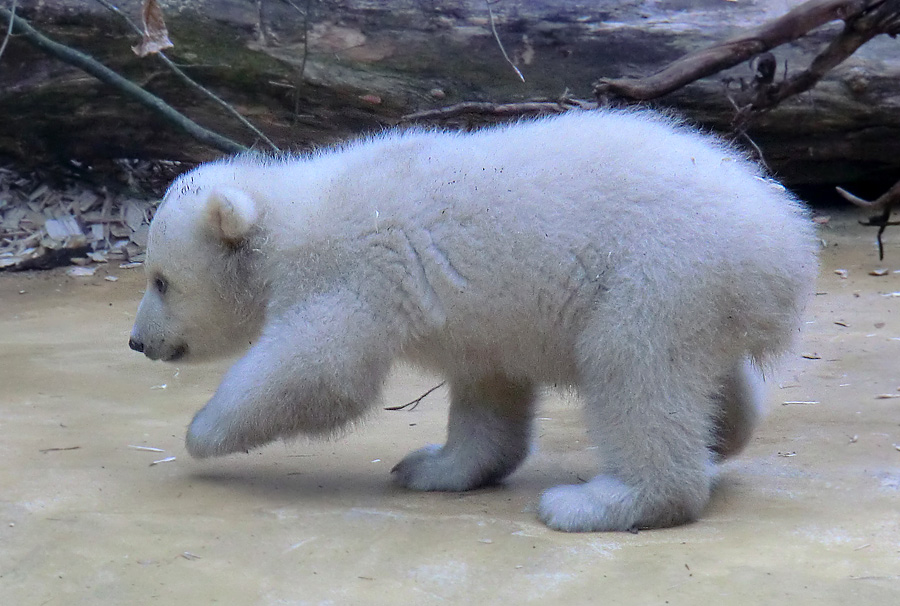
<point>177,354</point>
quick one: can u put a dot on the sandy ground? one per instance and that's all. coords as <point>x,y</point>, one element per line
<point>809,514</point>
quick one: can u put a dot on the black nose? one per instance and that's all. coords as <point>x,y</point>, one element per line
<point>136,345</point>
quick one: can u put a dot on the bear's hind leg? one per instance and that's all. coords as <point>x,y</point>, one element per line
<point>651,424</point>
<point>488,437</point>
<point>740,408</point>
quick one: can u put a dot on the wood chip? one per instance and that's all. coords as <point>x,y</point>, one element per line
<point>134,214</point>
<point>811,356</point>
<point>887,396</point>
<point>63,228</point>
<point>879,272</point>
<point>842,273</point>
<point>81,272</point>
<point>166,460</point>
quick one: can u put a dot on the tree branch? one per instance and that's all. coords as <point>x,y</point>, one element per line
<point>12,17</point>
<point>705,62</point>
<point>191,82</point>
<point>877,18</point>
<point>479,108</point>
<point>108,76</point>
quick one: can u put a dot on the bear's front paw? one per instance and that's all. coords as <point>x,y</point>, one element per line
<point>433,468</point>
<point>208,437</point>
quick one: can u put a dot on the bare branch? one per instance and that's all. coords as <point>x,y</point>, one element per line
<point>711,60</point>
<point>498,109</point>
<point>875,19</point>
<point>889,199</point>
<point>411,405</point>
<point>191,82</point>
<point>885,203</point>
<point>12,18</point>
<point>302,69</point>
<point>499,43</point>
<point>108,76</point>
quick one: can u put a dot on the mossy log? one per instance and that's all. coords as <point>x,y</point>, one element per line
<point>360,65</point>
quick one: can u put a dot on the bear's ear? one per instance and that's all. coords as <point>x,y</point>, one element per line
<point>230,213</point>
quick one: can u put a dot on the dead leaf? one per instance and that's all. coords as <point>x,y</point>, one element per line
<point>156,36</point>
<point>842,273</point>
<point>822,220</point>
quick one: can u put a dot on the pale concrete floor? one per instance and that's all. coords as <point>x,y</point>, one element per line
<point>808,515</point>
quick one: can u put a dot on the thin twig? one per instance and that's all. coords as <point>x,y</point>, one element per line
<point>12,18</point>
<point>104,74</point>
<point>302,69</point>
<point>191,82</point>
<point>499,43</point>
<point>46,450</point>
<point>411,405</point>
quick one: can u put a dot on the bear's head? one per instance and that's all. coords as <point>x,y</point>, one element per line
<point>204,297</point>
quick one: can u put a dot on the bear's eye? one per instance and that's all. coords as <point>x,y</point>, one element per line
<point>160,284</point>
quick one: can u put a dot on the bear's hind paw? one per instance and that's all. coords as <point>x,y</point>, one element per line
<point>607,504</point>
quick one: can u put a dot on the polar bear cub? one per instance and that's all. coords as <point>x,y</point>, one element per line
<point>650,267</point>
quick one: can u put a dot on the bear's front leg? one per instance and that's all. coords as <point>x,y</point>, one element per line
<point>312,371</point>
<point>488,437</point>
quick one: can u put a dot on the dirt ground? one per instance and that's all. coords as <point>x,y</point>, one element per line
<point>809,514</point>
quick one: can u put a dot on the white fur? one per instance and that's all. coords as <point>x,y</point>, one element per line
<point>642,263</point>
